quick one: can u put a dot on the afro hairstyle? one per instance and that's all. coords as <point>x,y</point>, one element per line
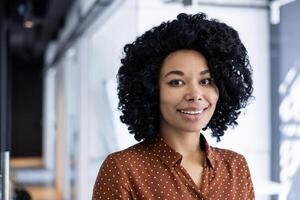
<point>138,76</point>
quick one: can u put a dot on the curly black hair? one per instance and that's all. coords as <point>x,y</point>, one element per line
<point>138,76</point>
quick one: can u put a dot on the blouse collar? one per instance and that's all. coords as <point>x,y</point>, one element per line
<point>170,157</point>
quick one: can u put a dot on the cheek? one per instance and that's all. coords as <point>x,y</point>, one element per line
<point>165,100</point>
<point>168,98</point>
<point>214,96</point>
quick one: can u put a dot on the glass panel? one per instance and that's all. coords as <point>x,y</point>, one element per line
<point>71,128</point>
<point>4,179</point>
<point>286,134</point>
<point>1,177</point>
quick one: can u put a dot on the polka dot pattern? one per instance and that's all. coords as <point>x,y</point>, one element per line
<point>154,171</point>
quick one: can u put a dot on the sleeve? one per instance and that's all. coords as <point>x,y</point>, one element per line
<point>111,182</point>
<point>249,185</point>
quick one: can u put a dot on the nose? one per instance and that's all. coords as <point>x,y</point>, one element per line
<point>194,93</point>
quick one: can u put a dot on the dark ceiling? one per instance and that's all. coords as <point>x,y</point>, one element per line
<point>32,24</point>
<point>26,27</point>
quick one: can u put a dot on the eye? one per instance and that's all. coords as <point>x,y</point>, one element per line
<point>176,83</point>
<point>207,81</point>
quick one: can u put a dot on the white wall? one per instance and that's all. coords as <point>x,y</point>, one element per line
<point>99,51</point>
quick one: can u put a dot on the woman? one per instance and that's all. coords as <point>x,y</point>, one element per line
<point>177,79</point>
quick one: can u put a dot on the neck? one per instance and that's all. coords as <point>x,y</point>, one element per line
<point>185,143</point>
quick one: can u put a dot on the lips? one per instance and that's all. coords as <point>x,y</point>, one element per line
<point>192,114</point>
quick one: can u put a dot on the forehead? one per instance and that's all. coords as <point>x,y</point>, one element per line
<point>184,60</point>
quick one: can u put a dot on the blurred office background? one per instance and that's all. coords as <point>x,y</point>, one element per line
<point>59,116</point>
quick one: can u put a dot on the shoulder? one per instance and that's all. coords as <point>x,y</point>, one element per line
<point>229,158</point>
<point>231,163</point>
<point>232,167</point>
<point>128,156</point>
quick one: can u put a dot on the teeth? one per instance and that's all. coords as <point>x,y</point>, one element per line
<point>191,112</point>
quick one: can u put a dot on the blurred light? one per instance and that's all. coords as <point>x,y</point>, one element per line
<point>71,52</point>
<point>184,2</point>
<point>28,24</point>
<point>22,10</point>
<point>289,78</point>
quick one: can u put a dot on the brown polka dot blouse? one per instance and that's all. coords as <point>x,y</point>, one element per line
<point>154,171</point>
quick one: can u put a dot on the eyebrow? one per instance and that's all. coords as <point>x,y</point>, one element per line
<point>180,73</point>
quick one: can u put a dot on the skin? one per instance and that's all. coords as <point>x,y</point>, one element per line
<point>188,98</point>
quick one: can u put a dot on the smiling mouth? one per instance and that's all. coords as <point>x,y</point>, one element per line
<point>192,112</point>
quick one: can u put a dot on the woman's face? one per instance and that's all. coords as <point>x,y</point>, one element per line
<point>188,95</point>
